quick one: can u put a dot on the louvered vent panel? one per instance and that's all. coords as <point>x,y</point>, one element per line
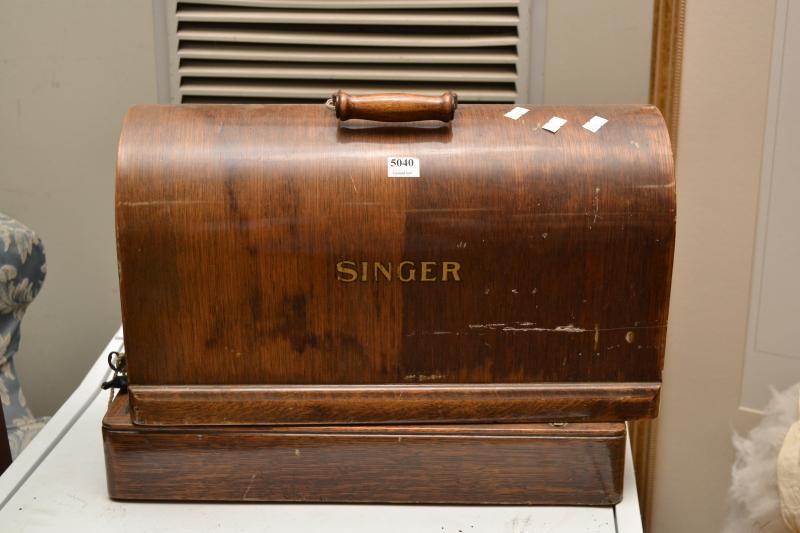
<point>302,50</point>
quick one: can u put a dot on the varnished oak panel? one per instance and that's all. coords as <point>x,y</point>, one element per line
<point>579,464</point>
<point>231,220</point>
<point>164,405</point>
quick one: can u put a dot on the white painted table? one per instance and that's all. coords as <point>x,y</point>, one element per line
<point>58,484</point>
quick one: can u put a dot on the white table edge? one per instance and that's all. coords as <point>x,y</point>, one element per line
<point>627,515</point>
<point>58,426</point>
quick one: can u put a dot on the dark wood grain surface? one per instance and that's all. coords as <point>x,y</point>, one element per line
<point>577,464</point>
<point>174,405</point>
<point>392,107</point>
<point>231,221</point>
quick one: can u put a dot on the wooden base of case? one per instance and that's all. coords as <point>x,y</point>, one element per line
<point>390,404</point>
<point>521,464</point>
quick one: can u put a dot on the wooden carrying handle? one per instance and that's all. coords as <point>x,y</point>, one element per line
<point>395,107</point>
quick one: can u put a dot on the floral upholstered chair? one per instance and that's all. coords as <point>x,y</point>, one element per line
<point>22,272</point>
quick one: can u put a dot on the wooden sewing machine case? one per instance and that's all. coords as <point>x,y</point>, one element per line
<point>388,309</point>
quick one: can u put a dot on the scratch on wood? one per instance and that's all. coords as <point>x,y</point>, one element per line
<point>156,203</point>
<point>560,329</point>
<point>249,486</point>
<point>525,326</point>
<point>596,204</point>
<point>596,337</point>
<point>424,377</point>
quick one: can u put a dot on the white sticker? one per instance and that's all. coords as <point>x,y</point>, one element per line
<point>595,123</point>
<point>515,113</point>
<point>402,167</point>
<point>554,124</point>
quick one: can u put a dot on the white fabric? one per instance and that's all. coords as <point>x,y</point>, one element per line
<point>754,501</point>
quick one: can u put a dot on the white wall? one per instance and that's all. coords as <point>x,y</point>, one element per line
<point>773,347</point>
<point>722,118</point>
<point>598,52</point>
<point>68,72</point>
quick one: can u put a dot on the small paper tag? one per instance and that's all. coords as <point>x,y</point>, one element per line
<point>515,113</point>
<point>595,123</point>
<point>554,124</point>
<point>402,167</point>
